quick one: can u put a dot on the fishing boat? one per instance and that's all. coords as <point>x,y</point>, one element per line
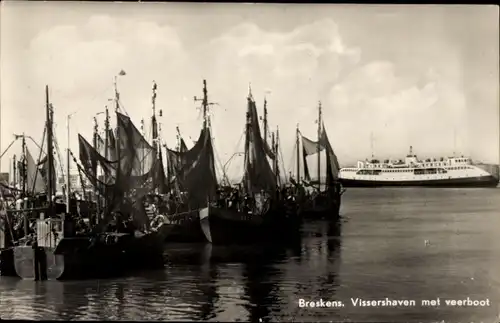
<point>317,200</point>
<point>191,179</point>
<point>28,185</point>
<point>60,252</point>
<point>6,240</point>
<point>255,218</point>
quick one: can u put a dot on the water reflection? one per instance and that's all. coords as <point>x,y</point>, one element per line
<point>198,258</point>
<point>48,300</point>
<point>200,282</point>
<point>377,251</point>
<point>262,283</point>
<point>315,273</point>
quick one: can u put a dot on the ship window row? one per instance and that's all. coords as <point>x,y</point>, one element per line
<point>369,172</point>
<point>428,171</point>
<point>417,171</point>
<point>459,167</point>
<point>378,171</point>
<point>433,164</point>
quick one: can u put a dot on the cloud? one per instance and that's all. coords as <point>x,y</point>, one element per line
<point>78,63</point>
<point>398,111</point>
<point>402,102</point>
<point>79,57</point>
<point>297,68</point>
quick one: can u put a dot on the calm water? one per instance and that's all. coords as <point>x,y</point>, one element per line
<point>398,243</point>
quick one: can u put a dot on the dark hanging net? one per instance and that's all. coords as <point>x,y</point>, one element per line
<point>259,175</point>
<point>194,170</point>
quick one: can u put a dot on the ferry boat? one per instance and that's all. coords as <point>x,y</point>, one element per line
<point>442,172</point>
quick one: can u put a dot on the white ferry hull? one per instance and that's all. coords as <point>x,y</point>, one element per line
<point>480,181</point>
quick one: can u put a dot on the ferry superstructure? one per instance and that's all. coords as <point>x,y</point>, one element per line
<point>442,172</point>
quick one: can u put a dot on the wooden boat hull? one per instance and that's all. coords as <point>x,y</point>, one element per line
<point>83,258</point>
<point>184,227</point>
<point>226,227</point>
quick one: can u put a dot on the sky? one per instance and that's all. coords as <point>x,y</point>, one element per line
<point>388,76</point>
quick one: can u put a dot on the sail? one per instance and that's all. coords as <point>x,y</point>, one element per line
<point>111,145</point>
<point>311,147</point>
<point>307,176</point>
<point>43,168</point>
<point>258,173</point>
<point>177,160</point>
<point>90,158</point>
<point>268,150</point>
<point>35,181</point>
<point>139,160</point>
<point>137,156</point>
<point>161,180</point>
<point>100,147</point>
<point>183,148</point>
<point>137,171</point>
<point>197,174</point>
<point>332,161</point>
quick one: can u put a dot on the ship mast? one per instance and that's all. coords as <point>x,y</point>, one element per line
<point>247,137</point>
<point>106,151</point>
<point>153,119</point>
<point>96,145</point>
<point>154,125</point>
<point>14,171</point>
<point>106,138</point>
<point>118,140</point>
<point>273,149</point>
<point>297,143</point>
<point>50,154</point>
<point>143,133</point>
<point>24,166</point>
<point>319,146</point>
<point>265,121</point>
<point>178,137</point>
<point>68,160</point>
<point>276,156</point>
<point>205,105</point>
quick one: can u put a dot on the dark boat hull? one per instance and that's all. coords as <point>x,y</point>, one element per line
<point>471,182</point>
<point>328,209</point>
<point>7,262</point>
<point>229,227</point>
<point>184,228</point>
<point>80,258</point>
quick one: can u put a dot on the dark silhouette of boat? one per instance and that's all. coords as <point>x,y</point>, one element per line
<point>103,255</point>
<point>225,226</point>
<point>259,217</point>
<point>60,252</point>
<point>6,241</point>
<point>23,193</point>
<point>325,200</point>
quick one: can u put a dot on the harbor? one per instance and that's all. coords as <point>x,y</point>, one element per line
<point>153,168</point>
<point>114,232</point>
<point>247,283</point>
